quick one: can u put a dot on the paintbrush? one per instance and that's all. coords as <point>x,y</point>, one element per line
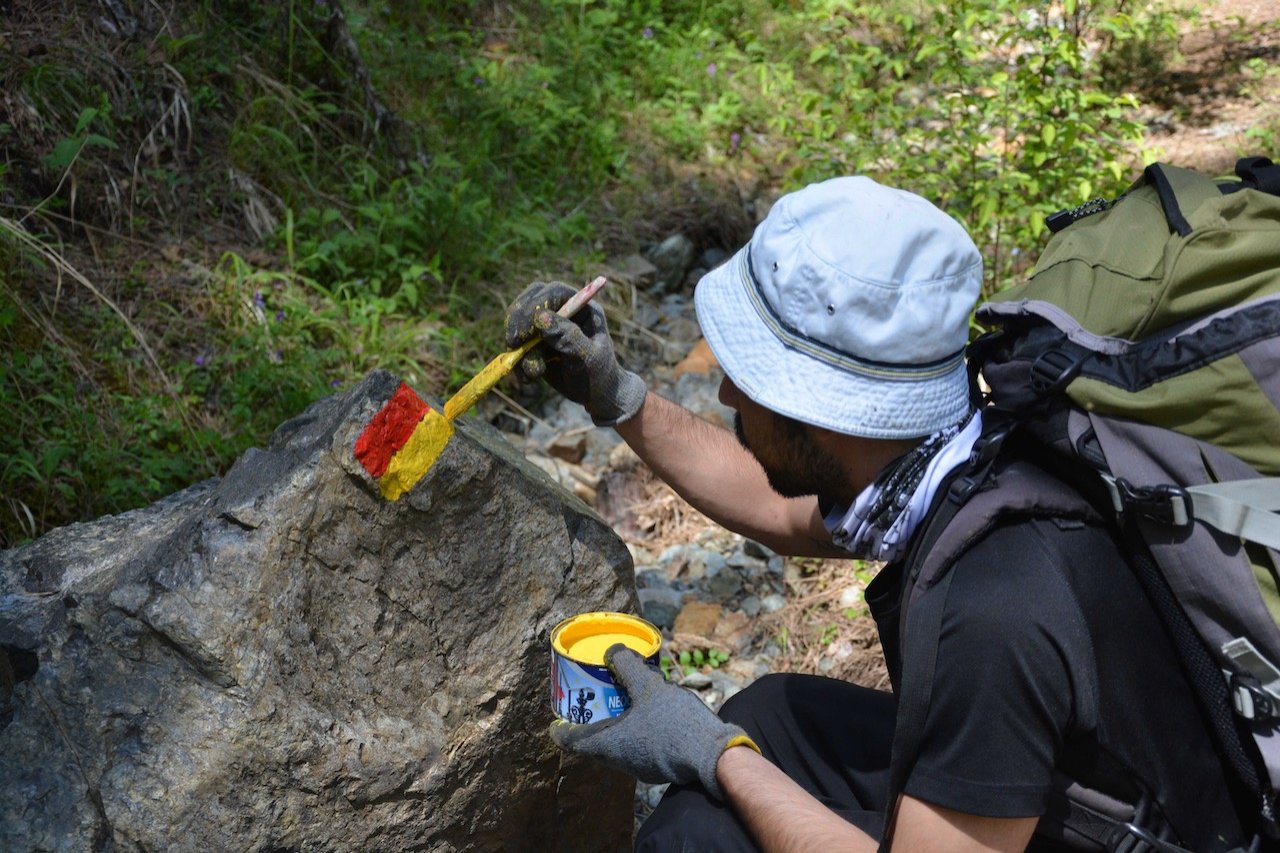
<point>397,461</point>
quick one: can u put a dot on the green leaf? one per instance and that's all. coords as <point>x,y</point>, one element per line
<point>100,141</point>
<point>63,154</point>
<point>87,115</point>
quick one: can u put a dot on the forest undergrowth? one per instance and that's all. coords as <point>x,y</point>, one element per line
<point>213,214</point>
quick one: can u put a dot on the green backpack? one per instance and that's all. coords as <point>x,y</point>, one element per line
<point>1143,357</point>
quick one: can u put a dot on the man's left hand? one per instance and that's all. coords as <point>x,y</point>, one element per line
<point>667,735</point>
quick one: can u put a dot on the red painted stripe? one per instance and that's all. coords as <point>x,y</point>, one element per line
<point>389,430</point>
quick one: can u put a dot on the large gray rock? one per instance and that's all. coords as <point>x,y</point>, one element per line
<point>284,660</point>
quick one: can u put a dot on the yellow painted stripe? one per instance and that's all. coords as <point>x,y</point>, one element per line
<point>419,453</point>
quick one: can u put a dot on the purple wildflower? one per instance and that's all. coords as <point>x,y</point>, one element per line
<point>200,360</point>
<point>735,139</point>
<point>711,69</point>
<point>648,32</point>
<point>279,316</point>
<point>336,383</point>
<point>259,299</point>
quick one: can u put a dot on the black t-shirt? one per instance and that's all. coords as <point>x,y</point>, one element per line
<point>1050,657</point>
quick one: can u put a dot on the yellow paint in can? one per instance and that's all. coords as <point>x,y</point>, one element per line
<point>586,637</point>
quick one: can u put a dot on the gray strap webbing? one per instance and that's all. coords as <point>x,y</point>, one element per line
<point>1244,508</point>
<point>1244,655</point>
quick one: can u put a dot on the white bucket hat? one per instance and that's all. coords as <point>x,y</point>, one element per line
<point>849,310</point>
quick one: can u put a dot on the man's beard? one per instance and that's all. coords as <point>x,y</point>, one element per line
<point>795,465</point>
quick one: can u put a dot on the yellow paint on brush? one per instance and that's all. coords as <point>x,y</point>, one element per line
<point>411,462</point>
<point>480,384</point>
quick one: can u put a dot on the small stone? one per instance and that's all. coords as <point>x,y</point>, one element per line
<point>570,448</point>
<point>646,316</point>
<point>634,269</point>
<point>726,684</point>
<point>712,561</point>
<point>640,557</point>
<point>750,605</point>
<point>660,605</point>
<point>749,566</point>
<point>693,276</point>
<point>697,617</point>
<point>712,257</point>
<point>734,631</point>
<point>653,794</point>
<point>851,597</point>
<point>724,585</point>
<point>840,650</point>
<point>773,603</point>
<point>673,257</point>
<point>696,680</point>
<point>651,579</point>
<point>699,360</point>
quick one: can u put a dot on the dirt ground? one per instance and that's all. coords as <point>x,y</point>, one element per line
<point>1225,83</point>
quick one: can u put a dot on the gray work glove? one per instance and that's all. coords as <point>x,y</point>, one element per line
<point>576,355</point>
<point>667,735</point>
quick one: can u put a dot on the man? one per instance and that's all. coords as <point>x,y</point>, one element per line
<point>841,329</point>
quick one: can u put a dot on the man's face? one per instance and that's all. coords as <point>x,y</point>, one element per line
<point>794,463</point>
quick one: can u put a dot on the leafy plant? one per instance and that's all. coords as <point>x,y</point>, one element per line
<point>692,660</point>
<point>68,149</point>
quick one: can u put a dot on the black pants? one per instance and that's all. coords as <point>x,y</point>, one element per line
<point>831,737</point>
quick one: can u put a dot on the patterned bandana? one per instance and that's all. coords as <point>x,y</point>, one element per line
<point>883,518</point>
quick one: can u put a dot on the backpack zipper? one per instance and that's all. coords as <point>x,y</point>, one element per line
<point>1063,218</point>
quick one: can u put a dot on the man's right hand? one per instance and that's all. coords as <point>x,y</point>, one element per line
<point>576,354</point>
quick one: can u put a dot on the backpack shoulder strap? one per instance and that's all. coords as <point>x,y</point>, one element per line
<point>1179,191</point>
<point>1011,487</point>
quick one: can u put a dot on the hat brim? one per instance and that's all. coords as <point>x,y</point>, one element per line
<point>793,383</point>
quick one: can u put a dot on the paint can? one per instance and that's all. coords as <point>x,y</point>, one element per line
<point>582,688</point>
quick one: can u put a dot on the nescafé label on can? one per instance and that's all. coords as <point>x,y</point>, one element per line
<point>582,688</point>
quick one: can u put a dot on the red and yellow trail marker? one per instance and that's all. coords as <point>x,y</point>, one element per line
<point>401,442</point>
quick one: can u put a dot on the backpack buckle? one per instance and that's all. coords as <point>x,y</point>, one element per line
<point>1164,503</point>
<point>1250,699</point>
<point>981,457</point>
<point>1053,370</point>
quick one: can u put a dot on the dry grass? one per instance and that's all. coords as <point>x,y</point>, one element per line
<point>822,631</point>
